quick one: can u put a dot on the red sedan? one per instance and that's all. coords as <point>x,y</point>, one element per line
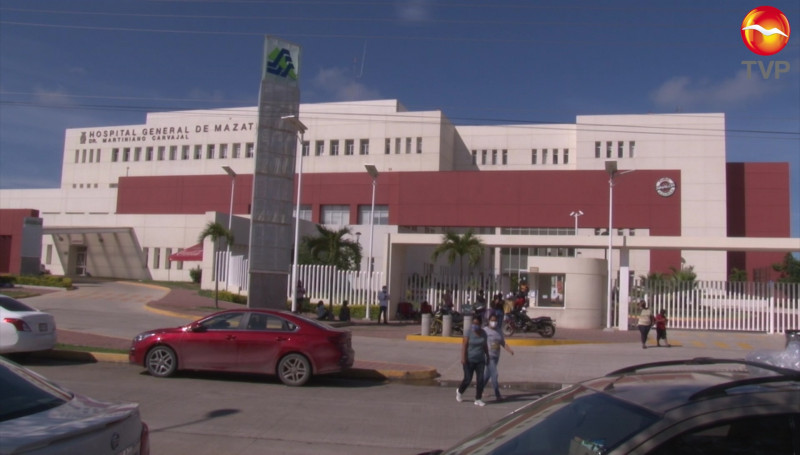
<point>261,341</point>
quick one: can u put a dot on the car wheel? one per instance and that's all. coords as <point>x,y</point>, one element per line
<point>294,370</point>
<point>161,361</point>
<point>547,331</point>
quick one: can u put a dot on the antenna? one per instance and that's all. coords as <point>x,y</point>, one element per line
<point>363,58</point>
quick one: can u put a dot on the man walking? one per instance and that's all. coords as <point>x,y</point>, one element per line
<point>383,302</point>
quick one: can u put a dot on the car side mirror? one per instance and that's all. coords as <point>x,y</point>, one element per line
<point>195,327</point>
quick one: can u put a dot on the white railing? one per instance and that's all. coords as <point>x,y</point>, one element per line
<point>728,306</point>
<point>463,289</point>
<point>326,283</point>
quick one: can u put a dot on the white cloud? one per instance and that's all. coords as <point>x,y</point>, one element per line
<point>685,93</point>
<point>337,85</point>
<point>46,97</point>
<point>414,10</point>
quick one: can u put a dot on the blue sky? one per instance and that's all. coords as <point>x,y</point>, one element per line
<point>80,63</point>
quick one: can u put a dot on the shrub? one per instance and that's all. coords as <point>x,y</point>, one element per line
<point>196,274</point>
<point>43,280</point>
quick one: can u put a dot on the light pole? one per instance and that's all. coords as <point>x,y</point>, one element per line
<point>611,169</point>
<point>373,172</point>
<point>232,173</point>
<point>576,215</point>
<point>298,127</point>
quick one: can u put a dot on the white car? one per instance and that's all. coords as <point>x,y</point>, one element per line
<point>24,328</point>
<point>38,417</point>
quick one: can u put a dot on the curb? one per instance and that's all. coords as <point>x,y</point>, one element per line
<point>397,374</point>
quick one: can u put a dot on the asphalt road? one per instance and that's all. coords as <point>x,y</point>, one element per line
<point>232,414</point>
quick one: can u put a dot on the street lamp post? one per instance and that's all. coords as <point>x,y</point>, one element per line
<point>575,215</point>
<point>611,169</point>
<point>298,127</point>
<point>373,172</point>
<point>231,173</point>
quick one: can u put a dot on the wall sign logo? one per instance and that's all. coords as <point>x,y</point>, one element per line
<point>765,30</point>
<point>665,187</point>
<point>280,64</point>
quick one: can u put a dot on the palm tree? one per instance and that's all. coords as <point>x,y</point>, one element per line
<point>217,232</point>
<point>332,248</point>
<point>460,245</point>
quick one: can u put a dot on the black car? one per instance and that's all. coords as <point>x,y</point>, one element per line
<point>698,406</point>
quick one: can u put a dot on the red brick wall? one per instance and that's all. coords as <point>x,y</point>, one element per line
<point>11,223</point>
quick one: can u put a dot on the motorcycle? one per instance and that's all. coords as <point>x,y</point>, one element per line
<point>438,318</point>
<point>519,321</point>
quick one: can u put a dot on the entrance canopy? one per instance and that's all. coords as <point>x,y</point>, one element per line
<point>193,253</point>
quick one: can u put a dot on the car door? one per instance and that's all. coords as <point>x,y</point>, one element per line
<point>214,345</point>
<point>262,342</point>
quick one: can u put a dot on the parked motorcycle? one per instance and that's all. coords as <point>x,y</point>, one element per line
<point>437,321</point>
<point>519,321</point>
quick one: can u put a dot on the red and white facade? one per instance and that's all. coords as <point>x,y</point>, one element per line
<point>132,195</point>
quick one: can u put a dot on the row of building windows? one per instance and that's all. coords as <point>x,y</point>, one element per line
<point>157,257</point>
<point>543,156</point>
<point>340,214</point>
<point>363,147</point>
<point>620,151</point>
<point>171,153</point>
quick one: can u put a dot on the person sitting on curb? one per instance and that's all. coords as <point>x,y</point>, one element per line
<point>322,313</point>
<point>344,312</point>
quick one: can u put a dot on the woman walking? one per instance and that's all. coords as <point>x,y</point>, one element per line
<point>474,350</point>
<point>645,322</point>
<point>495,340</point>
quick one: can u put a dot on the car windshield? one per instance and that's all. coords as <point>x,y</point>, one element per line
<point>13,305</point>
<point>577,421</point>
<point>24,393</point>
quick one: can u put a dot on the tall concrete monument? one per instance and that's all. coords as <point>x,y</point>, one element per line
<point>271,231</point>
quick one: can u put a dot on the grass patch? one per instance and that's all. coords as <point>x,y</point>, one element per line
<point>19,294</point>
<point>72,347</point>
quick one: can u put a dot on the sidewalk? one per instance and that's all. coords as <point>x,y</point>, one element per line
<point>397,351</point>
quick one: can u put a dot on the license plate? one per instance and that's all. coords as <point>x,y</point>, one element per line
<point>43,327</point>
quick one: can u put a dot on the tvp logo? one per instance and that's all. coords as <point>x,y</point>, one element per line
<point>765,31</point>
<point>280,64</point>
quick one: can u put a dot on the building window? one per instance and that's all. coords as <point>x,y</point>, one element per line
<point>334,147</point>
<point>249,149</point>
<point>408,145</point>
<point>483,156</point>
<point>336,214</point>
<point>620,146</point>
<point>349,147</point>
<point>198,152</point>
<point>156,258</point>
<point>98,155</point>
<point>126,154</point>
<point>146,254</point>
<point>236,150</point>
<point>91,156</point>
<point>167,262</point>
<point>210,151</point>
<point>544,156</point>
<point>114,155</point>
<point>534,156</point>
<point>77,155</point>
<point>631,149</point>
<point>363,147</point>
<point>161,151</point>
<point>179,264</point>
<point>474,157</point>
<point>397,146</point>
<point>505,157</point>
<point>185,152</point>
<point>609,145</point>
<point>305,148</point>
<point>494,156</point>
<point>223,151</point>
<point>419,145</point>
<point>555,156</point>
<point>137,154</point>
<point>305,212</point>
<point>173,152</point>
<point>566,156</point>
<point>387,147</point>
<point>381,214</point>
<point>597,149</point>
<point>319,148</point>
<point>48,256</point>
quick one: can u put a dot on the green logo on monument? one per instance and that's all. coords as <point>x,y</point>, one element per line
<point>280,64</point>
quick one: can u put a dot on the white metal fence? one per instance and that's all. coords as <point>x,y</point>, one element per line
<point>326,283</point>
<point>717,305</point>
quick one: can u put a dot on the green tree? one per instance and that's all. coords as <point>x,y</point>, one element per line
<point>331,247</point>
<point>457,246</point>
<point>789,269</point>
<point>737,275</point>
<point>217,232</point>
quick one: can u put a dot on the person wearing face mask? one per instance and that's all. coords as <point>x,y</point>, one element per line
<point>495,340</point>
<point>474,351</point>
